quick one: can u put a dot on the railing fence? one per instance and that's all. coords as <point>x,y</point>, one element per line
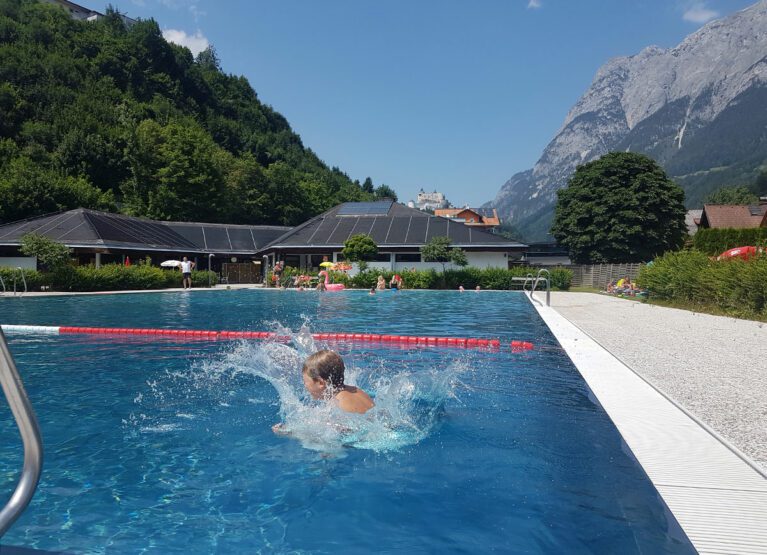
<point>599,275</point>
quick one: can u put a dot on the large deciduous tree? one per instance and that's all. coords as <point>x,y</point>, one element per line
<point>620,208</point>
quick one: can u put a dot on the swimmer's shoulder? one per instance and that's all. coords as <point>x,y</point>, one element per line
<point>353,399</point>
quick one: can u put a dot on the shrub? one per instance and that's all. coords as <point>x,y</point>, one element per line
<point>735,286</point>
<point>50,254</point>
<point>116,277</point>
<point>34,279</point>
<point>714,242</point>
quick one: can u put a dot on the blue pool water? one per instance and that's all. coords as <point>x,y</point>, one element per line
<point>160,446</point>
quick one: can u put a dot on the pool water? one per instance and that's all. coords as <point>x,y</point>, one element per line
<point>155,445</point>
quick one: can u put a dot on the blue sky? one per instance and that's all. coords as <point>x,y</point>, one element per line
<point>450,95</point>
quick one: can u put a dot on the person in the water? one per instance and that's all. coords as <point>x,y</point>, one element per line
<point>323,374</point>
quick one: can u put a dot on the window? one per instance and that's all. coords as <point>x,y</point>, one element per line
<point>407,257</point>
<point>293,260</point>
<point>382,257</point>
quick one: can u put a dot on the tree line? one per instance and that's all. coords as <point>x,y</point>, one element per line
<point>104,116</point>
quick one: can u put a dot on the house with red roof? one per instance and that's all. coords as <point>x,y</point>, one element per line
<point>736,216</point>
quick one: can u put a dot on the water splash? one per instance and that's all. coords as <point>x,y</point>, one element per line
<point>409,401</point>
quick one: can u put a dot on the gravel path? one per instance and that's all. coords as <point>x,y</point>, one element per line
<point>713,366</point>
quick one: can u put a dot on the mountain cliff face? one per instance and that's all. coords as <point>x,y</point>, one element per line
<point>700,109</point>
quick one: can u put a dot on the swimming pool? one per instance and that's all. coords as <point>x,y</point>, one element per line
<point>158,445</point>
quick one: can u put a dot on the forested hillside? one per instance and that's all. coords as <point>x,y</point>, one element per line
<point>98,115</point>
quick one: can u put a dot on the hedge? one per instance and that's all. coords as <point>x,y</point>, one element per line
<point>737,287</point>
<point>714,242</point>
<point>486,278</point>
<point>109,277</point>
<point>34,279</point>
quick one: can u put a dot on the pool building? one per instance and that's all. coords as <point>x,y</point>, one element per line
<point>400,232</point>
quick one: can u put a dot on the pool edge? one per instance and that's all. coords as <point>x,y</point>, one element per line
<point>717,494</point>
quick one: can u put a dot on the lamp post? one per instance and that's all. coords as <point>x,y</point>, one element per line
<point>266,270</point>
<point>210,259</point>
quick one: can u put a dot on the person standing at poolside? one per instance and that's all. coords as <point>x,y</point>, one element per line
<point>186,272</point>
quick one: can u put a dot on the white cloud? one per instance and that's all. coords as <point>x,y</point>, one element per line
<point>196,43</point>
<point>699,13</point>
<point>534,4</point>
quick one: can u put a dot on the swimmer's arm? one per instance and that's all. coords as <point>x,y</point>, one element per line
<point>281,430</point>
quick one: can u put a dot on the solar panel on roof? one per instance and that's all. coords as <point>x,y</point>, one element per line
<point>241,239</point>
<point>437,228</point>
<point>417,231</point>
<point>755,210</point>
<point>398,229</point>
<point>217,238</point>
<point>375,208</point>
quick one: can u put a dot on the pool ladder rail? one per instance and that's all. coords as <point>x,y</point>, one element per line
<point>22,411</point>
<point>23,280</point>
<point>535,280</point>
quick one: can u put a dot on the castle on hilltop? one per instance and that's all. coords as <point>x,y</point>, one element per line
<point>429,201</point>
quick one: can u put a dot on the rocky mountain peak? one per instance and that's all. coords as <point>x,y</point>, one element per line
<point>656,102</point>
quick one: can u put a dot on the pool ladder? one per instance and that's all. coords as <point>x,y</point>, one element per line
<point>21,408</point>
<point>535,281</point>
<point>23,280</point>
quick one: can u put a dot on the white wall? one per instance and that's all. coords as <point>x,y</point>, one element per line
<point>26,262</point>
<point>487,259</point>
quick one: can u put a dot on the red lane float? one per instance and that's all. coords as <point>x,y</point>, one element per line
<point>455,342</point>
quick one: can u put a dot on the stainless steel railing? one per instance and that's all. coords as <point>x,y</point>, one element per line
<point>23,279</point>
<point>21,408</point>
<point>2,284</point>
<point>547,280</point>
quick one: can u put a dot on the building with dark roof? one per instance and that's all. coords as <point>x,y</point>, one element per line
<point>399,232</point>
<point>101,237</point>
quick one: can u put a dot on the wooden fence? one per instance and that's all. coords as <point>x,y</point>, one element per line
<point>241,272</point>
<point>599,275</point>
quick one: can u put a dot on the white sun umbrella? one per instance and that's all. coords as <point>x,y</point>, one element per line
<point>171,264</point>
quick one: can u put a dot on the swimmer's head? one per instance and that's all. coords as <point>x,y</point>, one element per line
<point>321,370</point>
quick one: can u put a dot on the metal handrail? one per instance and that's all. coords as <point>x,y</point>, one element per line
<point>538,279</point>
<point>2,283</point>
<point>23,278</point>
<point>21,408</point>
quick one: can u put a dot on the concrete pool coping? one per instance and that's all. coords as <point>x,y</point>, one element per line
<point>716,493</point>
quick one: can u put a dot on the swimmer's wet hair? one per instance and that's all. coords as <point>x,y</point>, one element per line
<point>327,365</point>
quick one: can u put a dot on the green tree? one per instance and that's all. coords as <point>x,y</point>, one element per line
<point>760,184</point>
<point>367,186</point>
<point>110,108</point>
<point>438,250</point>
<point>50,254</point>
<point>384,191</point>
<point>732,195</point>
<point>27,189</point>
<point>360,248</point>
<point>620,208</point>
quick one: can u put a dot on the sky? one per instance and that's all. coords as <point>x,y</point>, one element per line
<point>449,95</point>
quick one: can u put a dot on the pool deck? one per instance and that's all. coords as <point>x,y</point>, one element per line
<point>688,394</point>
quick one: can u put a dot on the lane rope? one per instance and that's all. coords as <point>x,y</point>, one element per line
<point>412,340</point>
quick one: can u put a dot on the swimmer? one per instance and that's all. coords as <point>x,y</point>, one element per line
<point>372,291</point>
<point>477,289</point>
<point>460,288</point>
<point>381,283</point>
<point>323,375</point>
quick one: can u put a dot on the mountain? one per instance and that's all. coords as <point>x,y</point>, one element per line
<point>104,115</point>
<point>699,109</point>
